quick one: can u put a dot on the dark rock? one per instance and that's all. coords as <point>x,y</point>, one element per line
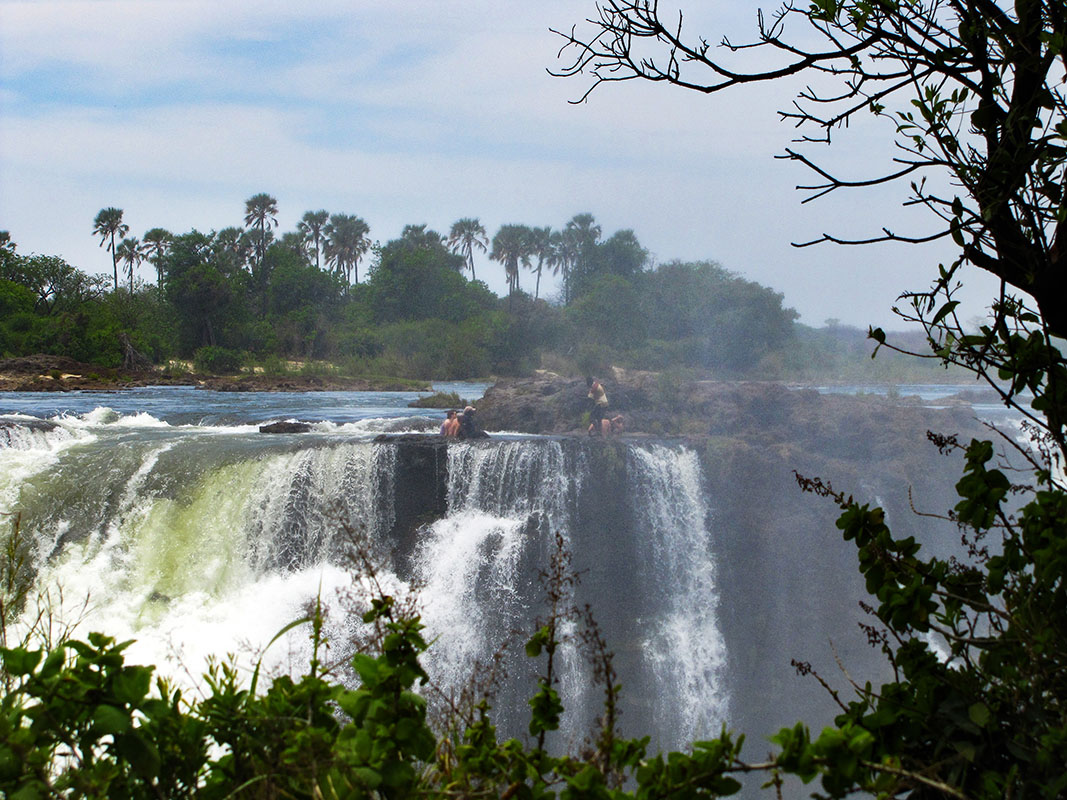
<point>285,427</point>
<point>28,424</point>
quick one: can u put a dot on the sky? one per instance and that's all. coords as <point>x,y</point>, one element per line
<point>423,112</point>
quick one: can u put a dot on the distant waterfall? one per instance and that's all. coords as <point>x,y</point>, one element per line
<point>684,648</point>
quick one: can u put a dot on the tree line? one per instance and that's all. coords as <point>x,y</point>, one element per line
<point>412,306</point>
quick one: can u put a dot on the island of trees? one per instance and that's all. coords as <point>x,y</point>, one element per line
<point>251,297</point>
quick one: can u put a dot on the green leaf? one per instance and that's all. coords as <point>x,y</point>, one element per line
<point>979,714</point>
<point>110,720</point>
<point>19,661</point>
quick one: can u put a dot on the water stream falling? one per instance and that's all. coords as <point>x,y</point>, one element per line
<point>202,540</point>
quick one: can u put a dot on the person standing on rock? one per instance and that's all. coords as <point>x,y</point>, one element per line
<point>599,400</point>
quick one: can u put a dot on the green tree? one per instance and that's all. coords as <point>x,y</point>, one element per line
<point>974,94</point>
<point>311,227</point>
<point>466,235</point>
<point>581,235</point>
<point>539,241</point>
<point>511,247</point>
<point>235,245</point>
<point>346,244</point>
<point>129,252</point>
<point>566,252</point>
<point>107,225</point>
<point>56,285</point>
<point>417,277</point>
<point>261,215</point>
<point>202,290</point>
<point>155,243</point>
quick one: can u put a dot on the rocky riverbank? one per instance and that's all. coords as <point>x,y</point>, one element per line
<point>43,373</point>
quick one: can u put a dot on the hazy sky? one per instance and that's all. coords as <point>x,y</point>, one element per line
<point>410,112</point>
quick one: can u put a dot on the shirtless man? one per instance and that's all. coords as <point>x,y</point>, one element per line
<point>615,425</point>
<point>450,427</point>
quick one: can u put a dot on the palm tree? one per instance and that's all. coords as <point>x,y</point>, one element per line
<point>539,241</point>
<point>236,244</point>
<point>510,247</point>
<point>155,244</point>
<point>565,244</point>
<point>466,234</point>
<point>129,251</point>
<point>346,244</point>
<point>311,226</point>
<point>584,235</point>
<point>107,225</point>
<point>260,213</point>
<point>419,237</point>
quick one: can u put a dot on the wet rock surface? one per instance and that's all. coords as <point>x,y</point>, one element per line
<point>285,427</point>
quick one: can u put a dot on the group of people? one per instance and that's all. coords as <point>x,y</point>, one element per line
<point>462,426</point>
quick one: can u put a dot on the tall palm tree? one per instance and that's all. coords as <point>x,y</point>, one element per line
<point>107,225</point>
<point>566,248</point>
<point>311,226</point>
<point>584,234</point>
<point>129,252</point>
<point>155,244</point>
<point>510,248</point>
<point>539,242</point>
<point>346,244</point>
<point>467,234</point>
<point>261,214</point>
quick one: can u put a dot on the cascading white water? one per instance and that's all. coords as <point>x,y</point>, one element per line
<point>684,647</point>
<point>198,559</point>
<point>202,541</point>
<point>476,567</point>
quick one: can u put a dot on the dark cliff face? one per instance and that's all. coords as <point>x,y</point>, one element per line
<point>787,585</point>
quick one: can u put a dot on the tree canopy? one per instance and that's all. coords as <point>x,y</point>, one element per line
<point>975,94</point>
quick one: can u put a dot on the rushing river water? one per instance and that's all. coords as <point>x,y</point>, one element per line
<point>163,515</point>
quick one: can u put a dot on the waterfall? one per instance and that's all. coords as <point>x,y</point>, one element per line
<point>477,567</point>
<point>196,550</point>
<point>205,541</point>
<point>683,645</point>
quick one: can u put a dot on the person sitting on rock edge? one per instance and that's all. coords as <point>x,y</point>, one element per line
<point>468,426</point>
<point>613,426</point>
<point>450,425</point>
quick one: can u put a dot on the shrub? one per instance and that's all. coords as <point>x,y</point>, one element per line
<point>217,360</point>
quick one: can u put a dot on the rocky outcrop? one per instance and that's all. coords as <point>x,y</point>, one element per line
<point>8,423</point>
<point>762,413</point>
<point>285,427</point>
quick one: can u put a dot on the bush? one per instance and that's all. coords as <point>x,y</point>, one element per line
<point>217,360</point>
<point>438,400</point>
